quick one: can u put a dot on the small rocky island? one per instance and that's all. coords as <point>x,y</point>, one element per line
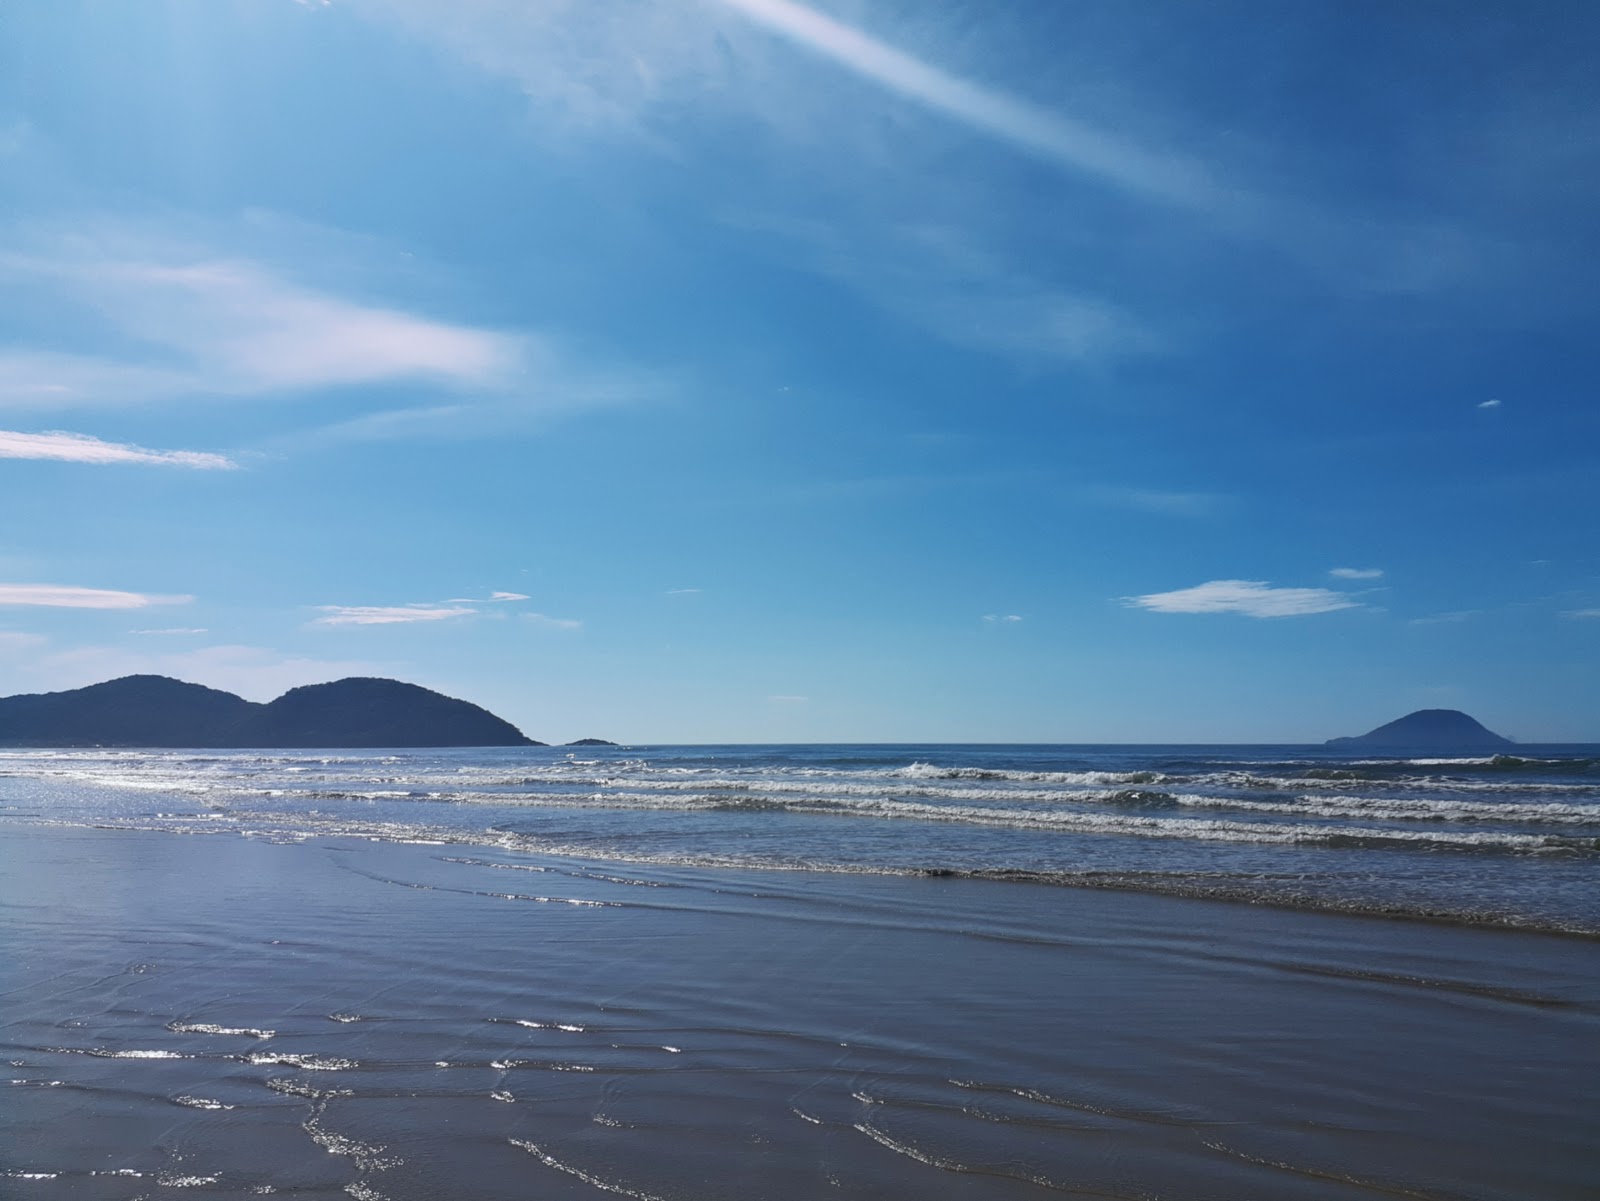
<point>156,711</point>
<point>591,742</point>
<point>1428,730</point>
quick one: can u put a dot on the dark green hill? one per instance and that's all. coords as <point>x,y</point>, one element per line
<point>1428,730</point>
<point>132,711</point>
<point>160,712</point>
<point>363,711</point>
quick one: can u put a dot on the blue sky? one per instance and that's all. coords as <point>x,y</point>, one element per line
<point>743,370</point>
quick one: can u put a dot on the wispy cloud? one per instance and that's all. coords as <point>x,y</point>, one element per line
<point>84,448</point>
<point>1251,598</point>
<point>682,591</point>
<point>456,606</point>
<point>1356,573</point>
<point>174,630</point>
<point>553,623</point>
<point>1488,404</point>
<point>70,596</point>
<point>212,324</point>
<point>1074,144</point>
<point>494,598</point>
<point>383,615</point>
<point>649,72</point>
<point>937,277</point>
<point>1582,614</point>
<point>1442,619</point>
<point>1001,619</point>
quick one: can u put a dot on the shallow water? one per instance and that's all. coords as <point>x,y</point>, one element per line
<point>335,1017</point>
<point>541,972</point>
<point>1506,840</point>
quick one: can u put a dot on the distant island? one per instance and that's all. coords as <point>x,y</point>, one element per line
<point>161,712</point>
<point>590,742</point>
<point>1428,730</point>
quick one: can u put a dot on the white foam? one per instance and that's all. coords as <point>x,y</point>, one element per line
<point>311,1063</point>
<point>208,1028</point>
<point>605,1186</point>
<point>199,1103</point>
<point>334,1143</point>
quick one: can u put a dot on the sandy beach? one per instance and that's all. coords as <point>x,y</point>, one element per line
<point>338,1017</point>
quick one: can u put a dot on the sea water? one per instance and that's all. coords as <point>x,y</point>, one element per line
<point>687,974</point>
<point>1509,839</point>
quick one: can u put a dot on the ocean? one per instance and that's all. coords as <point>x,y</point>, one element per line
<point>673,973</point>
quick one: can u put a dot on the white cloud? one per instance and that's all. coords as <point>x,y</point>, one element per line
<point>83,448</point>
<point>682,591</point>
<point>1356,573</point>
<point>13,641</point>
<point>1440,619</point>
<point>382,615</point>
<point>603,66</point>
<point>1489,404</point>
<point>554,623</point>
<point>173,630</point>
<point>1582,614</point>
<point>494,598</point>
<point>999,619</point>
<point>635,69</point>
<point>646,71</point>
<point>1036,130</point>
<point>211,324</point>
<point>1252,598</point>
<point>69,596</point>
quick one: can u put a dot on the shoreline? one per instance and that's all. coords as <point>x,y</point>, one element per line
<point>1101,881</point>
<point>687,1032</point>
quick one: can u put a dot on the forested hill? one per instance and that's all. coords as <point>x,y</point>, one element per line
<point>156,711</point>
<point>1429,729</point>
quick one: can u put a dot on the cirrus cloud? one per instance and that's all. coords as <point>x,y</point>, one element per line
<point>186,320</point>
<point>1251,598</point>
<point>494,598</point>
<point>84,448</point>
<point>553,623</point>
<point>71,596</point>
<point>383,615</point>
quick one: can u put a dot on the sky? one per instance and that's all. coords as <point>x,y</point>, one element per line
<point>709,371</point>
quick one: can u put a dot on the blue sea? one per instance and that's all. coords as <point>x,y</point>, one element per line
<point>782,973</point>
<point>1506,839</point>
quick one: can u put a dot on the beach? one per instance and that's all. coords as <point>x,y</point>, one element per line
<point>341,1016</point>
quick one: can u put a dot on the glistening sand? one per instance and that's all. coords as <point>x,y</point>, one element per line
<point>335,1017</point>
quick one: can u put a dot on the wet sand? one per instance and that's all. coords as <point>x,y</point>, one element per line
<point>189,1015</point>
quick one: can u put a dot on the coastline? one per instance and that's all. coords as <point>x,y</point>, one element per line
<point>688,1032</point>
